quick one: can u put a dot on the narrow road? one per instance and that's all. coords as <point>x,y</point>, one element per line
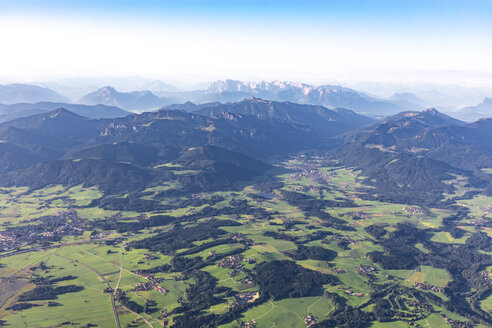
<point>45,248</point>
<point>121,272</point>
<point>273,307</point>
<point>111,295</point>
<point>309,308</point>
<point>138,315</point>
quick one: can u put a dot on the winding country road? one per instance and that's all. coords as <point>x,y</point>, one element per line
<point>111,294</point>
<point>45,248</point>
<point>121,272</point>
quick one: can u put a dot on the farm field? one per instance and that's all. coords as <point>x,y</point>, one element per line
<point>219,257</point>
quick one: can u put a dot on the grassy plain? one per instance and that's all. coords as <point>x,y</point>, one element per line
<point>118,265</point>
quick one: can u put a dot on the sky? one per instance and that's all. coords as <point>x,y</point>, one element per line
<point>386,41</point>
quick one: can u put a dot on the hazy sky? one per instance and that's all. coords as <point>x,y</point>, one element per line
<point>193,41</point>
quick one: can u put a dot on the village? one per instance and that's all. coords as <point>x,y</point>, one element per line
<point>413,210</point>
<point>149,285</point>
<point>49,229</point>
<point>308,171</point>
<point>234,262</point>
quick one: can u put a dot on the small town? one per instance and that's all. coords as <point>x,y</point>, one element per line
<point>41,230</point>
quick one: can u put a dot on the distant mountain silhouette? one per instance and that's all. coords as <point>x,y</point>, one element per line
<point>330,96</point>
<point>473,113</point>
<point>407,100</point>
<point>14,111</point>
<point>26,93</point>
<point>326,95</point>
<point>135,100</point>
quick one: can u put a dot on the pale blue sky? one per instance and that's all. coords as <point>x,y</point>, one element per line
<point>203,40</point>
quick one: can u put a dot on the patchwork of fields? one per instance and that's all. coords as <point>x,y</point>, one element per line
<point>213,274</point>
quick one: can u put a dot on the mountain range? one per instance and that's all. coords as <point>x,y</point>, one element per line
<point>14,111</point>
<point>407,100</point>
<point>473,113</point>
<point>405,158</point>
<point>153,95</point>
<point>408,156</point>
<point>135,100</point>
<point>43,149</point>
<point>327,95</point>
<point>323,121</point>
<point>250,126</point>
<point>26,93</point>
<point>430,134</point>
<point>233,91</point>
<point>158,94</point>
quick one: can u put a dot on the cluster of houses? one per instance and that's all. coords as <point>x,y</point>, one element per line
<point>428,287</point>
<point>163,314</point>
<point>413,210</point>
<point>487,277</point>
<point>248,324</point>
<point>152,283</point>
<point>307,170</point>
<point>366,270</point>
<point>477,222</point>
<point>150,257</point>
<point>344,239</point>
<point>235,262</point>
<point>247,281</point>
<point>244,298</point>
<point>456,323</point>
<point>41,230</point>
<point>487,210</point>
<point>349,292</point>
<point>310,320</point>
<point>143,274</point>
<point>358,215</point>
<point>310,172</point>
<point>99,235</point>
<point>243,239</point>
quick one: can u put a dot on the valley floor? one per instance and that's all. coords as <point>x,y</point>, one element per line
<point>375,264</point>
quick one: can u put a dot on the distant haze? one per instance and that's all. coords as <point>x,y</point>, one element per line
<point>188,42</point>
